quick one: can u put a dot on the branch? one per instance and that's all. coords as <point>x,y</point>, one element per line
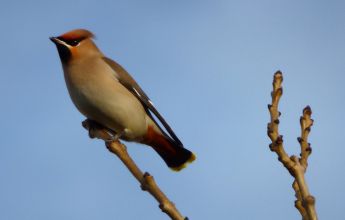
<point>146,181</point>
<point>296,166</point>
<point>306,123</point>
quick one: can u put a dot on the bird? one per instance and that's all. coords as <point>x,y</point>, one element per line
<point>104,92</point>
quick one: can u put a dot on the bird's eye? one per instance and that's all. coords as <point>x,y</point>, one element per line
<point>73,42</point>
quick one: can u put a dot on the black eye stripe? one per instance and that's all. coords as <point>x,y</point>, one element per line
<point>71,42</point>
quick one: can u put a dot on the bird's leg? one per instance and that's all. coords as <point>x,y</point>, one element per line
<point>91,126</point>
<point>114,136</point>
<point>96,130</point>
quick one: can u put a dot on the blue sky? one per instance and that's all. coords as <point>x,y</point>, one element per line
<point>208,67</point>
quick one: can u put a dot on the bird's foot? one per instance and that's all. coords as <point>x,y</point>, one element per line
<point>97,130</point>
<point>92,127</point>
<point>114,137</point>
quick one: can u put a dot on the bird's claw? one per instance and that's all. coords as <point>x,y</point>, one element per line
<point>113,137</point>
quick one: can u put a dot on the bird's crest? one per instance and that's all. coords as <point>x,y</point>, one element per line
<point>77,34</point>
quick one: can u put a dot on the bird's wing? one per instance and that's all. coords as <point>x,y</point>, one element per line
<point>126,80</point>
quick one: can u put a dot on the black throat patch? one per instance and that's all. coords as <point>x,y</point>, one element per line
<point>64,52</point>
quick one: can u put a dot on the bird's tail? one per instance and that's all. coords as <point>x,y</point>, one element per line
<point>175,156</point>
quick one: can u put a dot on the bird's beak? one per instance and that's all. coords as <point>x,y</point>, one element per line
<point>57,41</point>
<point>54,40</point>
<point>63,48</point>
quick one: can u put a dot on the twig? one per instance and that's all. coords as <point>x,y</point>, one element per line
<point>296,166</point>
<point>146,181</point>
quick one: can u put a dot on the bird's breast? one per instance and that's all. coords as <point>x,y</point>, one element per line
<point>98,95</point>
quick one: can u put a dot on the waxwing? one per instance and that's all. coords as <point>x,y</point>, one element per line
<point>104,92</point>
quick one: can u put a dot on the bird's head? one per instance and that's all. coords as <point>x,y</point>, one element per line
<point>75,44</point>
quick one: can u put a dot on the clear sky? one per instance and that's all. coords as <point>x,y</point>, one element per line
<point>208,66</point>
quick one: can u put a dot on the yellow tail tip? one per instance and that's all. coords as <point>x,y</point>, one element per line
<point>184,165</point>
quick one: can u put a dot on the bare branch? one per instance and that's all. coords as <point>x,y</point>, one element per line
<point>297,167</point>
<point>145,179</point>
<point>298,202</point>
<point>272,128</point>
<point>306,123</point>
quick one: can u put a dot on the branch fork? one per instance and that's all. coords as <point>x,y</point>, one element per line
<point>297,166</point>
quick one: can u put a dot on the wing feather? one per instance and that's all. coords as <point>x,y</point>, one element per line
<point>126,80</point>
